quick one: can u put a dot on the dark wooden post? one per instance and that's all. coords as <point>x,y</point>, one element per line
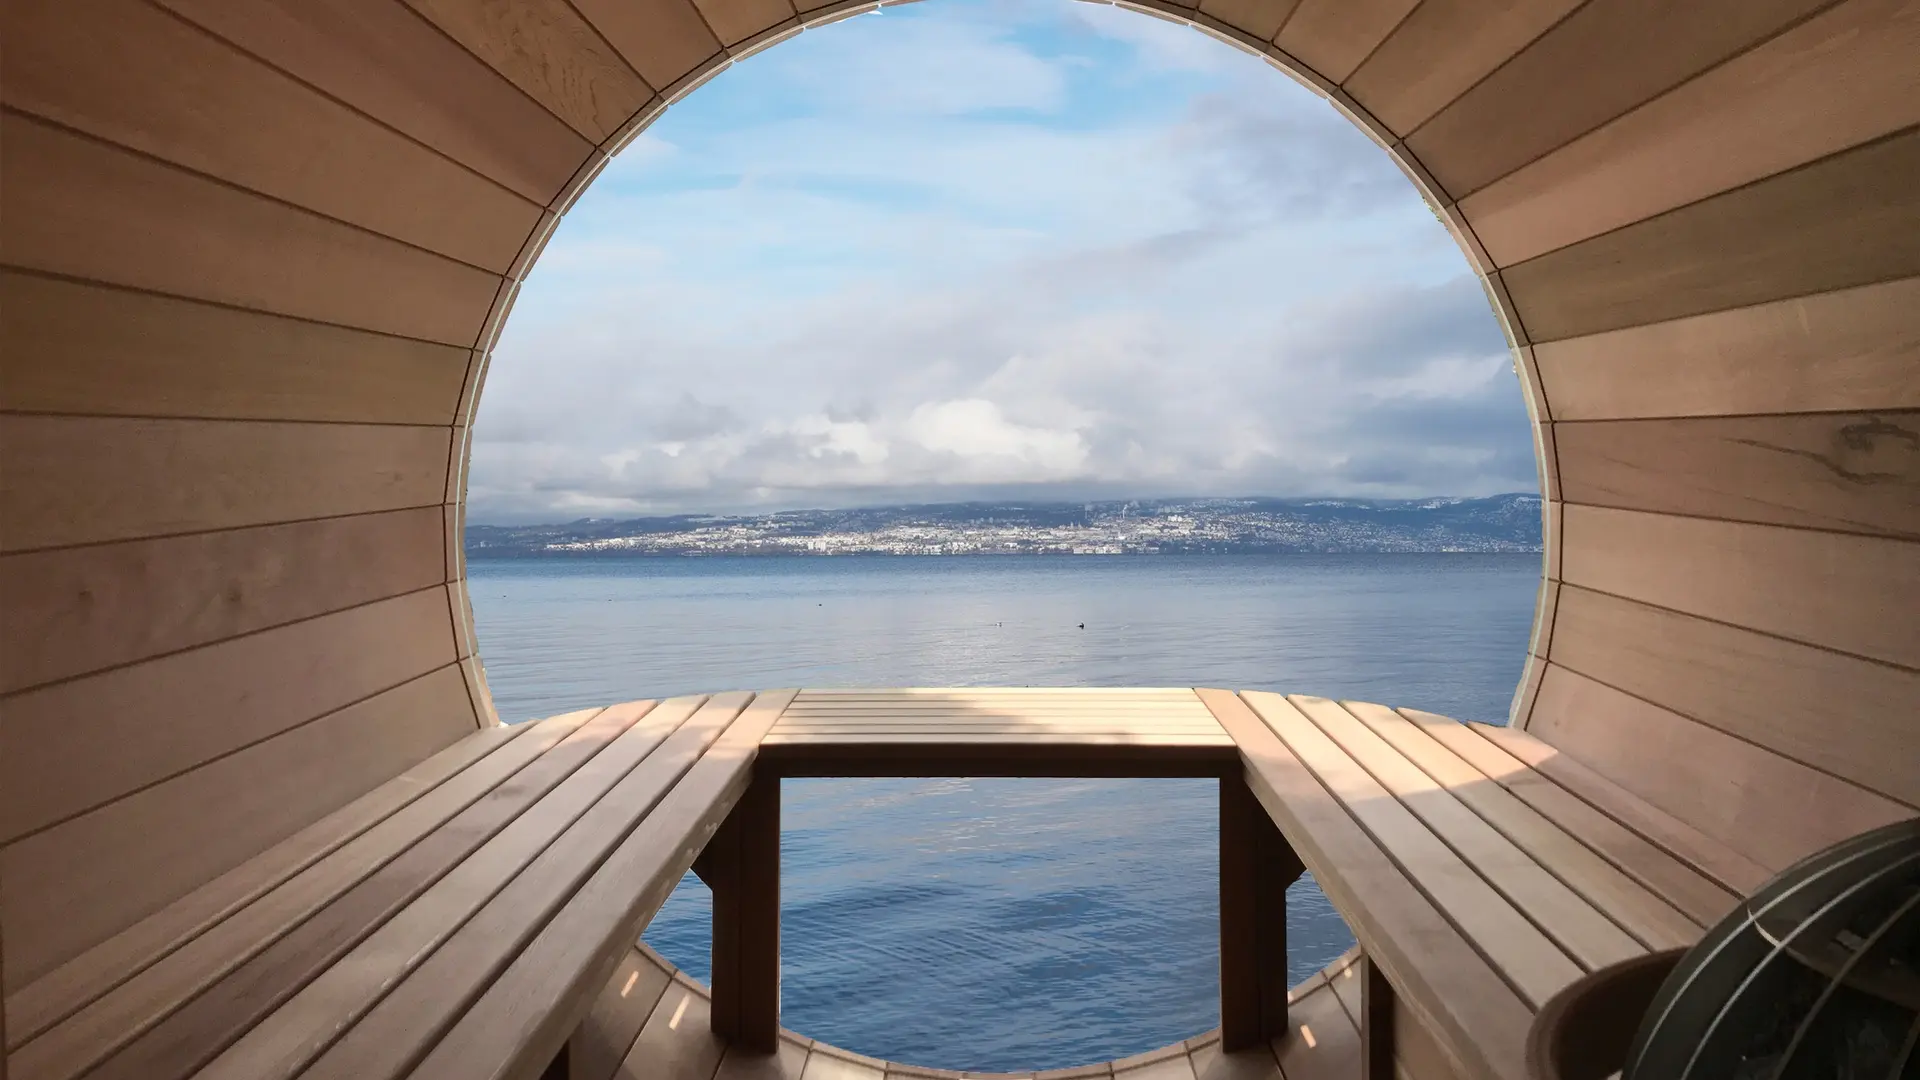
<point>1376,1022</point>
<point>742,867</point>
<point>1256,866</point>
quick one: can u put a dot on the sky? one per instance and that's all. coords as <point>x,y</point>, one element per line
<point>995,249</point>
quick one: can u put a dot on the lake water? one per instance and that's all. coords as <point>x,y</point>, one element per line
<point>1004,924</point>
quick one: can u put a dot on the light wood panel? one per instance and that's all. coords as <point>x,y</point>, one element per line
<point>1847,220</point>
<point>1577,76</point>
<point>110,68</point>
<point>67,888</point>
<point>1417,1054</point>
<point>104,479</point>
<point>1851,350</point>
<point>1441,50</point>
<point>82,348</point>
<point>1333,36</point>
<point>1856,594</point>
<point>70,611</point>
<point>663,40</point>
<point>1770,808</point>
<point>389,63</point>
<point>69,205</point>
<point>1832,711</point>
<point>1258,19</point>
<point>1849,472</point>
<point>546,49</point>
<point>77,745</point>
<point>1838,80</point>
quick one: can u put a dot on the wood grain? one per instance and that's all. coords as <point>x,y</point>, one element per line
<point>84,348</point>
<point>1441,50</point>
<point>1772,809</point>
<point>111,68</point>
<point>1856,594</point>
<point>1842,78</point>
<point>1680,882</point>
<point>1324,1043</point>
<point>1651,920</point>
<point>1553,91</point>
<point>68,888</point>
<point>87,977</point>
<point>1834,712</point>
<point>387,62</point>
<point>94,480</point>
<point>1258,19</point>
<point>86,209</point>
<point>75,746</point>
<point>677,1040</point>
<point>1417,1054</point>
<point>597,1049</point>
<point>1397,923</point>
<point>149,996</point>
<point>1851,350</point>
<point>1333,36</point>
<point>663,40</point>
<point>1848,472</point>
<point>547,50</point>
<point>1850,219</point>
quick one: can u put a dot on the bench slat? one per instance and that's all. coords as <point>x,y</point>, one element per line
<point>1698,897</point>
<point>596,1051</point>
<point>281,1043</point>
<point>201,1028</point>
<point>1324,1043</point>
<point>1459,993</point>
<point>677,1040</point>
<point>66,989</point>
<point>576,910</point>
<point>103,1026</point>
<point>1587,936</point>
<point>1651,920</point>
<point>1524,956</point>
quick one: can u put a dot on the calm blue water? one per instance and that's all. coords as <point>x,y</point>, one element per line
<point>1004,924</point>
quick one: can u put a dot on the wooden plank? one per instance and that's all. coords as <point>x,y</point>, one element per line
<point>561,926</point>
<point>1707,856</point>
<point>831,1063</point>
<point>68,888</point>
<point>1770,808</point>
<point>1552,92</point>
<point>1856,594</point>
<point>1030,729</point>
<point>663,40</point>
<point>111,68</point>
<point>1638,910</point>
<point>1174,1067</point>
<point>151,995</point>
<point>1842,78</point>
<point>1453,985</point>
<point>677,1041</point>
<point>1848,472</point>
<point>1851,350</point>
<point>71,611</point>
<point>1850,219</point>
<point>100,479</point>
<point>999,693</point>
<point>547,50</point>
<point>69,987</point>
<point>70,203</point>
<point>1379,1016</point>
<point>1258,19</point>
<point>278,1034</point>
<point>1525,957</point>
<point>1418,1055</point>
<point>1442,49</point>
<point>789,1062</point>
<point>744,877</point>
<point>1333,36</point>
<point>1586,935</point>
<point>389,63</point>
<point>1256,866</point>
<point>84,348</point>
<point>964,739</point>
<point>1323,1045</point>
<point>1773,693</point>
<point>597,1049</point>
<point>76,746</point>
<point>1700,898</point>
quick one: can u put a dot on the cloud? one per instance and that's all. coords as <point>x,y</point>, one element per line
<point>1136,274</point>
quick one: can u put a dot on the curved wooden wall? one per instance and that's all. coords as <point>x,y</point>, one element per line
<point>253,257</point>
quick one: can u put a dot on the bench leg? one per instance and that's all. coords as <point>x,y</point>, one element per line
<point>1256,866</point>
<point>742,867</point>
<point>1376,1022</point>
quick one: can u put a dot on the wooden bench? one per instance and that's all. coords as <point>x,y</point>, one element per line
<point>459,921</point>
<point>1480,871</point>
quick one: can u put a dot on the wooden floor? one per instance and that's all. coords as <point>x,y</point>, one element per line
<point>651,1022</point>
